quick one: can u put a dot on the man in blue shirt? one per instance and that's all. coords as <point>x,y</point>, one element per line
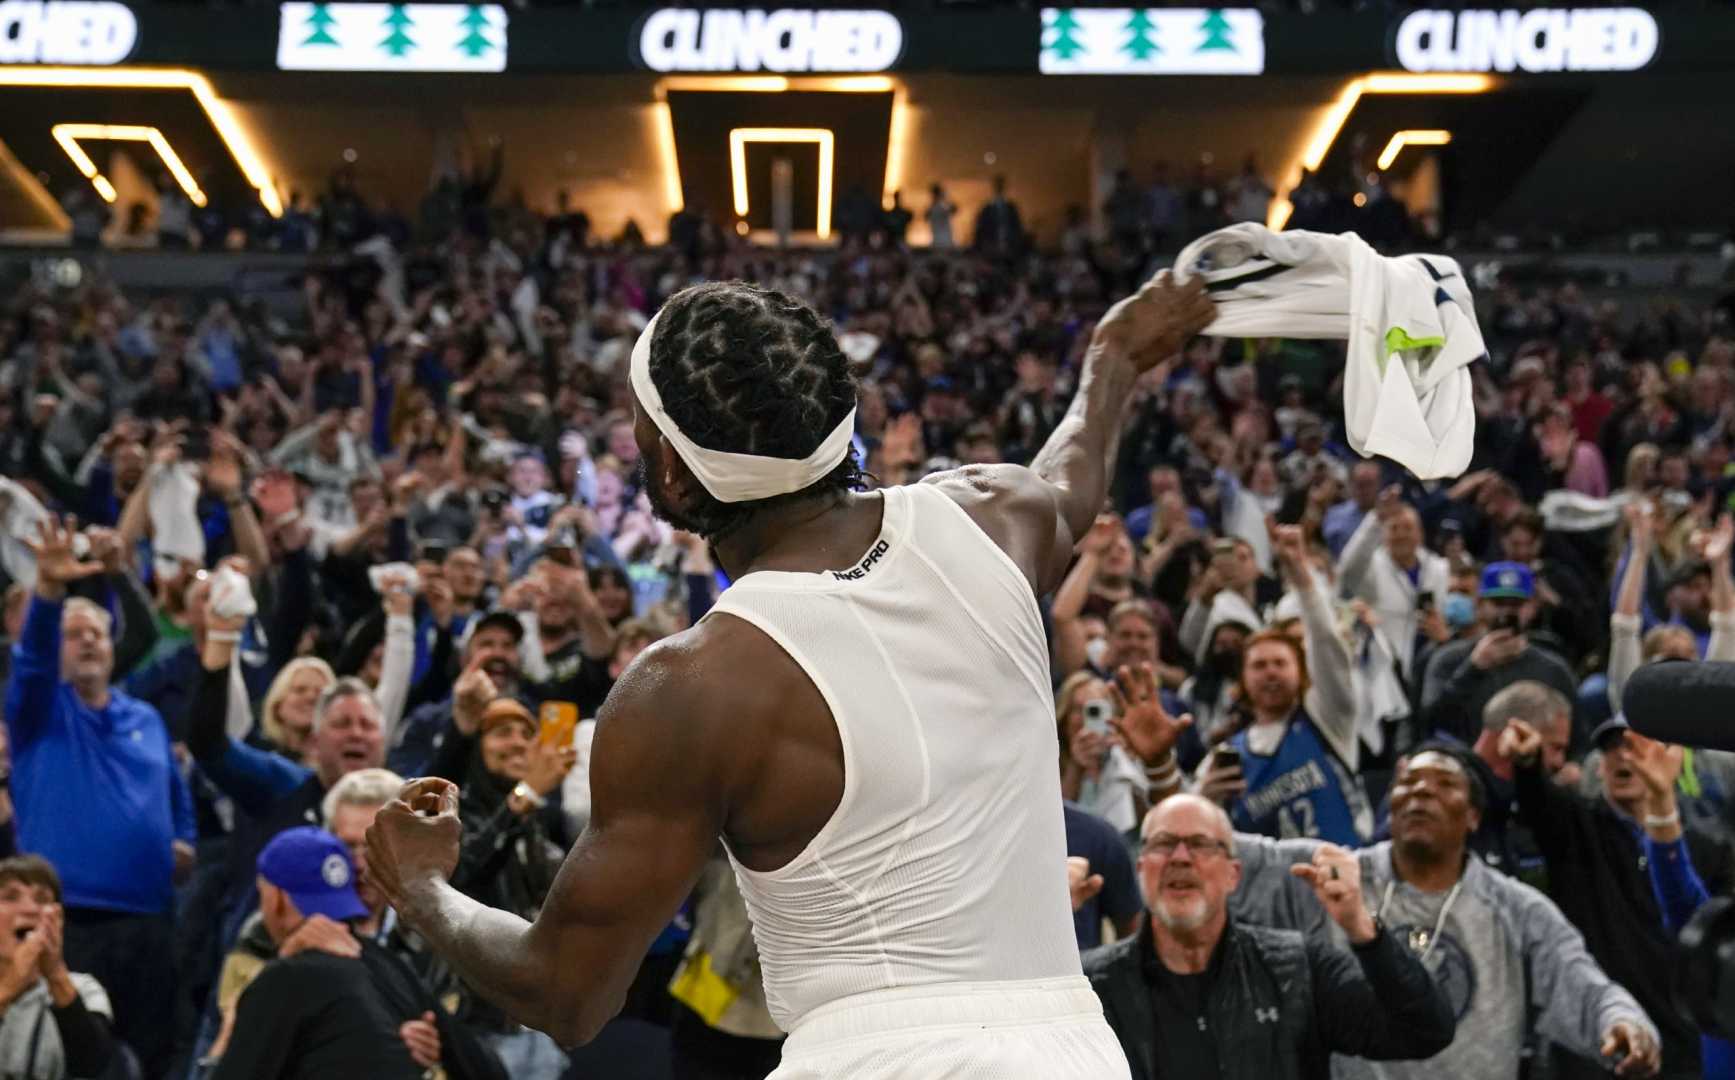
<point>98,793</point>
<point>1342,520</point>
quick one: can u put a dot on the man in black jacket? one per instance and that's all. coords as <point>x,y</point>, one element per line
<point>1197,994</point>
<point>1598,875</point>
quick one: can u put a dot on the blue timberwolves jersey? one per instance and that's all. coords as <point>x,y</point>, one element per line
<point>1302,790</point>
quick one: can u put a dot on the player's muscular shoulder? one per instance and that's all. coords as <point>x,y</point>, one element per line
<point>722,710</point>
<point>1018,510</point>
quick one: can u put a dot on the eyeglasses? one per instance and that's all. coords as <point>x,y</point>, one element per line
<point>1164,844</point>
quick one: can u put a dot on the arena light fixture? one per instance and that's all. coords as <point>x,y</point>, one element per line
<point>234,136</point>
<point>777,84</point>
<point>821,137</point>
<point>32,188</point>
<point>67,135</point>
<point>897,140</point>
<point>1326,131</point>
<point>664,122</point>
<point>1411,137</point>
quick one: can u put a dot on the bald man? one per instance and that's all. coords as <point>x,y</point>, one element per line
<point>1198,993</point>
<point>1386,565</point>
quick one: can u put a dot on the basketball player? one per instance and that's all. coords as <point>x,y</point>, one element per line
<point>864,719</point>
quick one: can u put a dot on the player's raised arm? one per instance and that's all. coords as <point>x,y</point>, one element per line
<point>658,798</point>
<point>1036,514</point>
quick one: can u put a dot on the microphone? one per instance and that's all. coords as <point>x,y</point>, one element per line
<point>1682,701</point>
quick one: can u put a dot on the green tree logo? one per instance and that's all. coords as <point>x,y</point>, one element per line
<point>319,25</point>
<point>397,25</point>
<point>475,24</point>
<point>1216,31</point>
<point>1065,44</point>
<point>1141,43</point>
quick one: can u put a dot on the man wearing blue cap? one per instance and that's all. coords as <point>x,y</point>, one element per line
<point>1462,676</point>
<point>317,1014</point>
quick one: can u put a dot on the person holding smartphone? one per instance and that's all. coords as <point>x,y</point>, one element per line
<point>1292,770</point>
<point>1462,676</point>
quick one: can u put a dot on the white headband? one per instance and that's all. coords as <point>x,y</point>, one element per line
<point>734,478</point>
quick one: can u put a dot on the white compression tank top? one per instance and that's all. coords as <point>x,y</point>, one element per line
<point>945,859</point>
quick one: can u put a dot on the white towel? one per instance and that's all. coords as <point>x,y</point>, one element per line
<point>1568,511</point>
<point>174,505</point>
<point>1409,322</point>
<point>20,514</point>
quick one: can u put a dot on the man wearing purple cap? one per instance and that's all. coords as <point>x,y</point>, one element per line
<point>1463,675</point>
<point>318,1014</point>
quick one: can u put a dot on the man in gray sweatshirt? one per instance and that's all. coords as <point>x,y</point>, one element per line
<point>1500,949</point>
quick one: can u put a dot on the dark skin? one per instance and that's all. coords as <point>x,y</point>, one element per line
<point>1432,819</point>
<point>744,743</point>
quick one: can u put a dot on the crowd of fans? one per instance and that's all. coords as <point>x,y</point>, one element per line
<point>262,567</point>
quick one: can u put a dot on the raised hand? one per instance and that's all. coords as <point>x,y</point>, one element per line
<point>105,548</point>
<point>1640,523</point>
<point>1290,545</point>
<point>1519,742</point>
<point>471,695</point>
<point>1221,783</point>
<point>1717,544</point>
<point>1080,881</point>
<point>414,841</point>
<point>51,962</point>
<point>1335,876</point>
<point>274,491</point>
<point>1658,765</point>
<point>396,596</point>
<point>1497,648</point>
<point>223,468</point>
<point>56,565</point>
<point>1101,535</point>
<point>1150,732</point>
<point>1154,323</point>
<point>548,766</point>
<point>1088,749</point>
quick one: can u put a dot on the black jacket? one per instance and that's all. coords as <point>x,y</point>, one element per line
<point>1597,875</point>
<point>1281,1003</point>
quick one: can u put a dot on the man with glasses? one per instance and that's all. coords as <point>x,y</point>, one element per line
<point>1197,993</point>
<point>1506,958</point>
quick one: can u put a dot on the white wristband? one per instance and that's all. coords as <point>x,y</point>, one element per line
<point>1663,822</point>
<point>222,635</point>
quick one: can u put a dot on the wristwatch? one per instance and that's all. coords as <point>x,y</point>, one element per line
<point>524,792</point>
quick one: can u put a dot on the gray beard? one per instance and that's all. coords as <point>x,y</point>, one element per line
<point>1176,921</point>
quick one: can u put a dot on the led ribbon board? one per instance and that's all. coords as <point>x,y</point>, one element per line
<point>682,39</point>
<point>1539,40</point>
<point>391,37</point>
<point>1152,41</point>
<point>66,32</point>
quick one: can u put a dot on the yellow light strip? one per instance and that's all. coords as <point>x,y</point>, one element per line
<point>1331,124</point>
<point>1414,137</point>
<point>67,135</point>
<point>665,125</point>
<point>33,188</point>
<point>104,188</point>
<point>777,84</point>
<point>234,136</point>
<point>896,138</point>
<point>827,142</point>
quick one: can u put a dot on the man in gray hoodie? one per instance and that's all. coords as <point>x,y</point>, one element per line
<point>1500,949</point>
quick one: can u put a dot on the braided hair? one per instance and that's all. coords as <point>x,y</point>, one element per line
<point>747,370</point>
